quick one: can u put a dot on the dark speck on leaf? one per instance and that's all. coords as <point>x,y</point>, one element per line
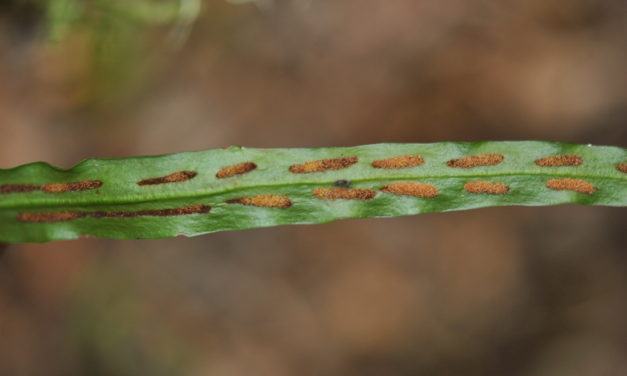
<point>342,183</point>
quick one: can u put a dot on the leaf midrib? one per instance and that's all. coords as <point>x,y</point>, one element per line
<point>53,203</point>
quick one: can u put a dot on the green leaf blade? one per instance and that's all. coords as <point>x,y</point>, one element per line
<point>121,208</point>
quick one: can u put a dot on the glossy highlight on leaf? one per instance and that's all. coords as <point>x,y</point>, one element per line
<point>240,188</point>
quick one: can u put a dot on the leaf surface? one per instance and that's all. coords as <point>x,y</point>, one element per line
<point>239,188</point>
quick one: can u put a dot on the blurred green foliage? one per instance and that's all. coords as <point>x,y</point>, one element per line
<point>116,40</point>
<point>63,15</point>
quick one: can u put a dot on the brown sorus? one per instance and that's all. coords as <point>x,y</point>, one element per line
<point>18,188</point>
<point>68,216</point>
<point>568,184</point>
<point>402,161</point>
<point>236,169</point>
<point>476,160</point>
<point>486,187</point>
<point>323,165</point>
<point>76,186</point>
<point>411,189</point>
<point>265,201</point>
<point>176,177</point>
<point>559,161</point>
<point>344,194</point>
<point>193,209</point>
<point>49,217</point>
<point>622,167</point>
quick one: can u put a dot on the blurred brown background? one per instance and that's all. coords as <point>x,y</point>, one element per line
<point>502,291</point>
